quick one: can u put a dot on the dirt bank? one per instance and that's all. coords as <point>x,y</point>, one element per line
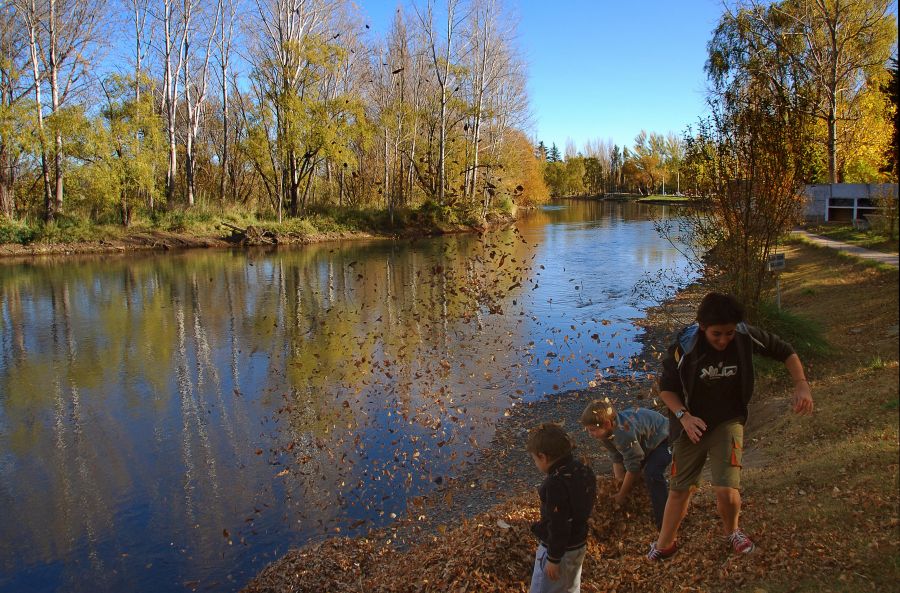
<point>231,236</point>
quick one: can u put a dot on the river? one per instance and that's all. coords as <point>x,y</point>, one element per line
<point>174,422</point>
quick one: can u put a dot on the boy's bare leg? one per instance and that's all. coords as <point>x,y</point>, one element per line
<point>728,503</point>
<point>676,508</point>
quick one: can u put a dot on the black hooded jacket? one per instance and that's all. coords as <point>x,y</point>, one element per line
<point>567,498</point>
<point>679,368</point>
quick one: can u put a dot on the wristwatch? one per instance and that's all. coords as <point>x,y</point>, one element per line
<point>680,413</point>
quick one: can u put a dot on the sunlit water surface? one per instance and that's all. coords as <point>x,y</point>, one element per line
<point>176,421</point>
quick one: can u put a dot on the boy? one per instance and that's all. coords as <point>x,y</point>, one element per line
<point>638,442</point>
<point>567,497</point>
<point>707,383</point>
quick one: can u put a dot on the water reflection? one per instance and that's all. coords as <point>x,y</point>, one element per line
<point>176,421</point>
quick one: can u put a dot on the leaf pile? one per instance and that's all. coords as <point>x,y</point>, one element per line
<point>493,552</point>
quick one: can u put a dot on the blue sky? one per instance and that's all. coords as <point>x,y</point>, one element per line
<point>607,68</point>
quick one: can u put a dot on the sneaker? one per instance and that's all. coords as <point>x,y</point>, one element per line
<point>740,543</point>
<point>658,555</point>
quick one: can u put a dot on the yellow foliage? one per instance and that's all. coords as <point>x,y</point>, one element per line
<point>525,169</point>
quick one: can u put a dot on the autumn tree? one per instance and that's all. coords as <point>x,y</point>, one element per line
<point>745,165</point>
<point>824,53</point>
<point>14,91</point>
<point>62,38</point>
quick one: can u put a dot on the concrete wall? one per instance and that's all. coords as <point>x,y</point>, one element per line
<point>818,196</point>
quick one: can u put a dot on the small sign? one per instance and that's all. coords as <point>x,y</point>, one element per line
<point>776,262</point>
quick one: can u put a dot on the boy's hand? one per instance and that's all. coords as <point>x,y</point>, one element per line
<point>802,401</point>
<point>693,426</point>
<point>619,499</point>
<point>552,570</point>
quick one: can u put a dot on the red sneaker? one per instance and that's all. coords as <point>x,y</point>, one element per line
<point>658,555</point>
<point>740,543</point>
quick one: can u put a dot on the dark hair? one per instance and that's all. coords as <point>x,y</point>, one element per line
<point>549,439</point>
<point>720,309</point>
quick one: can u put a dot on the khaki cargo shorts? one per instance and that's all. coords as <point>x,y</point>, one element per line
<point>724,446</point>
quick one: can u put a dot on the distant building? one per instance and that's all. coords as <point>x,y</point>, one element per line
<point>844,202</point>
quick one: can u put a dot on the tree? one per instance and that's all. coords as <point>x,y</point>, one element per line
<point>553,155</point>
<point>745,165</point>
<point>124,147</point>
<point>196,75</point>
<point>821,52</point>
<point>62,36</point>
<point>172,54</point>
<point>674,151</point>
<point>14,131</point>
<point>892,90</point>
<point>441,52</point>
<point>648,160</point>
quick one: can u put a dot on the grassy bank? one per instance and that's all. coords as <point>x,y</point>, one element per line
<point>212,227</point>
<point>820,492</point>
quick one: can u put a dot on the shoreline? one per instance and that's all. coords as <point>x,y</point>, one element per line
<point>474,533</point>
<point>502,473</point>
<point>158,241</point>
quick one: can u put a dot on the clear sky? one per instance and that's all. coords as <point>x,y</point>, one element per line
<point>606,68</point>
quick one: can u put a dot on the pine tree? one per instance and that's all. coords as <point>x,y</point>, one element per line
<point>540,152</point>
<point>553,155</point>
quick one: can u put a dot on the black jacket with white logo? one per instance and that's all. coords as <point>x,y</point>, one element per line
<point>680,366</point>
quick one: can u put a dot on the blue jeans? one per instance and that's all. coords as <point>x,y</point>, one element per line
<point>569,580</point>
<point>655,465</point>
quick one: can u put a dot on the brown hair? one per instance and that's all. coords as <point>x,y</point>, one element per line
<point>549,439</point>
<point>598,413</point>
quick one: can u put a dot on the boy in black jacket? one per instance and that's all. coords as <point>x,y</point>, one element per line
<point>707,382</point>
<point>567,497</point>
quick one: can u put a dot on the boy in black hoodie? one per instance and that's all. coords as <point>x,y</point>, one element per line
<point>567,497</point>
<point>707,383</point>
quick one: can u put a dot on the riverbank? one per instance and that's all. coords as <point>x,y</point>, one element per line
<point>656,199</point>
<point>227,230</point>
<point>820,492</point>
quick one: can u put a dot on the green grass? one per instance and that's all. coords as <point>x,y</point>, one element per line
<point>805,335</point>
<point>871,239</point>
<point>870,263</point>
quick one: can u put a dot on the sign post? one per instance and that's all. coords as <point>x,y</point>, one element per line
<point>776,264</point>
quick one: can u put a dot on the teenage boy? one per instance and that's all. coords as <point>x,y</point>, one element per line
<point>707,382</point>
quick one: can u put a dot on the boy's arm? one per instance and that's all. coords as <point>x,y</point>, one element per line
<point>693,425</point>
<point>618,472</point>
<point>775,347</point>
<point>802,401</point>
<point>630,478</point>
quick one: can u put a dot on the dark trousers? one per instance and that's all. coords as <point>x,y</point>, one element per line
<point>655,464</point>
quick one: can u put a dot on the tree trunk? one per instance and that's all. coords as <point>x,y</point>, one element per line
<point>54,98</point>
<point>832,144</point>
<point>42,138</point>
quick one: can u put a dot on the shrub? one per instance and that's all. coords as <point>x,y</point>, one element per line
<point>15,231</point>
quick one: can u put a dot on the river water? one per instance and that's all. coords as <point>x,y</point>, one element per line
<point>174,422</point>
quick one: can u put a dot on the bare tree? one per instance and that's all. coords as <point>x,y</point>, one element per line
<point>174,28</point>
<point>196,76</point>
<point>441,51</point>
<point>13,91</point>
<point>226,39</point>
<point>63,34</point>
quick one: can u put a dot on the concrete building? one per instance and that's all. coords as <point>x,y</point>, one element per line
<point>844,202</point>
